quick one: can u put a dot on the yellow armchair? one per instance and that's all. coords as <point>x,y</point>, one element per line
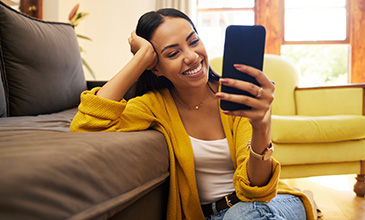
<point>316,131</point>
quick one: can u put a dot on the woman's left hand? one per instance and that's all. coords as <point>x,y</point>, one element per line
<point>260,113</point>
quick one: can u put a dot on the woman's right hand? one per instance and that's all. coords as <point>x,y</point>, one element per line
<point>138,43</point>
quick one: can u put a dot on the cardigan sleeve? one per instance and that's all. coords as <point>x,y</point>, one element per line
<point>245,192</point>
<point>100,114</point>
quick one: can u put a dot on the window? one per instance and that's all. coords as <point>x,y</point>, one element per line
<point>315,20</point>
<point>316,39</point>
<point>325,64</point>
<point>315,33</point>
<point>213,16</point>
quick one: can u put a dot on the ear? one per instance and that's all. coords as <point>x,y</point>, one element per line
<point>156,72</point>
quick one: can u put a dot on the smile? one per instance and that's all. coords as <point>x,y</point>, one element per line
<point>194,71</point>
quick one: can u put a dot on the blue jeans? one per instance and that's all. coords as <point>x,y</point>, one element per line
<point>282,207</point>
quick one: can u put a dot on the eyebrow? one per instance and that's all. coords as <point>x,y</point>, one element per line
<point>191,34</point>
<point>175,45</point>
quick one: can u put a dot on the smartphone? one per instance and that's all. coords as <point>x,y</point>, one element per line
<point>243,45</point>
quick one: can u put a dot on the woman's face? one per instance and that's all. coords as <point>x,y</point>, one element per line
<point>182,56</point>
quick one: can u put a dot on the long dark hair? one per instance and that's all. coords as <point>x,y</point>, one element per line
<point>147,24</point>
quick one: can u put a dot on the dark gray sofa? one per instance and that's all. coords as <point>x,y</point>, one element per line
<point>47,172</point>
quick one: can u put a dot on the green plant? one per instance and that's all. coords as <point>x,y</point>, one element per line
<point>75,17</point>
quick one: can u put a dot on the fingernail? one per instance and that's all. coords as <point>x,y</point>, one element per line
<point>219,95</point>
<point>223,80</point>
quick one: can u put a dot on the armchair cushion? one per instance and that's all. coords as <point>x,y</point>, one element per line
<point>317,129</point>
<point>40,64</point>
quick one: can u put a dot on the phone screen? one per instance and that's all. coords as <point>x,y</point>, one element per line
<point>243,45</point>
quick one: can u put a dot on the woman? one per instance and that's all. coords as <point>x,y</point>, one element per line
<point>210,167</point>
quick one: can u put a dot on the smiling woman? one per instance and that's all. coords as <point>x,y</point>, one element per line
<point>149,81</point>
<point>179,97</point>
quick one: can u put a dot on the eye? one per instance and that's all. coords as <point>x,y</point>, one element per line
<point>194,42</point>
<point>172,54</point>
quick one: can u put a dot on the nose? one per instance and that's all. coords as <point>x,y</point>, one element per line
<point>191,58</point>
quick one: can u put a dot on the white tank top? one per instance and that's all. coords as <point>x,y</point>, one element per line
<point>213,169</point>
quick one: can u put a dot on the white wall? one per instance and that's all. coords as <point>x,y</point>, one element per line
<point>109,25</point>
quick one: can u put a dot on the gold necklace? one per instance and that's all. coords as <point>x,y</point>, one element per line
<point>196,107</point>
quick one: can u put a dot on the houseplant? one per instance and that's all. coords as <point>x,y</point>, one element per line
<point>74,18</point>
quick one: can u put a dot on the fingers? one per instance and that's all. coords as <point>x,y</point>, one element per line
<point>137,44</point>
<point>256,118</point>
<point>241,85</point>
<point>266,86</point>
<point>257,74</point>
<point>263,95</point>
<point>264,91</point>
<point>259,107</point>
<point>134,43</point>
<point>262,103</point>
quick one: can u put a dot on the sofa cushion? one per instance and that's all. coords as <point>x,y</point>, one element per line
<point>59,121</point>
<point>77,175</point>
<point>317,129</point>
<point>41,64</point>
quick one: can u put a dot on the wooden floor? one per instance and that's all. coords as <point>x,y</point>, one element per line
<point>334,196</point>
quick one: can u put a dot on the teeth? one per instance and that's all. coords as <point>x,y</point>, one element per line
<point>191,72</point>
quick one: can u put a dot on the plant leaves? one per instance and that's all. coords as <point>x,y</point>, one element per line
<point>73,12</point>
<point>83,37</point>
<point>82,50</point>
<point>78,17</point>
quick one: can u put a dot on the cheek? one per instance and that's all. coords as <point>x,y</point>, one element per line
<point>201,48</point>
<point>169,67</point>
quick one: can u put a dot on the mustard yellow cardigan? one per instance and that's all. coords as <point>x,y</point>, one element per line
<point>157,110</point>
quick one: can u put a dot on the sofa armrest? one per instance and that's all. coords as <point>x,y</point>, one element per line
<point>94,83</point>
<point>130,93</point>
<point>331,100</point>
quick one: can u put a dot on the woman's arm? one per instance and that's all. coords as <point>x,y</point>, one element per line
<point>144,58</point>
<point>258,171</point>
<point>100,108</point>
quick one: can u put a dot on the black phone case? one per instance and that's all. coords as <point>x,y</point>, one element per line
<point>243,45</point>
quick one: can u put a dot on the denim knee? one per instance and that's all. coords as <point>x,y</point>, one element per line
<point>288,206</point>
<point>247,210</point>
<point>282,207</point>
